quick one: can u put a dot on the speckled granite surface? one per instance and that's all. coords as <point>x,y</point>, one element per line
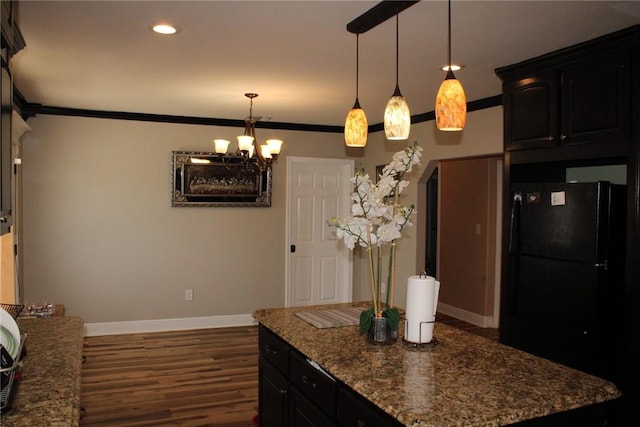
<point>464,380</point>
<point>49,391</point>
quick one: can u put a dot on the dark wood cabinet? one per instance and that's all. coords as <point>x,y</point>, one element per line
<point>531,111</point>
<point>303,413</point>
<point>5,151</point>
<point>12,39</point>
<point>574,103</point>
<point>595,99</point>
<point>294,392</point>
<point>273,395</point>
<point>355,411</point>
<point>320,387</point>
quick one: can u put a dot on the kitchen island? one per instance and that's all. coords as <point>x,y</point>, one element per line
<point>463,380</point>
<point>49,391</point>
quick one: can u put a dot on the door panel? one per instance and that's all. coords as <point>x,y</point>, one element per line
<point>319,270</point>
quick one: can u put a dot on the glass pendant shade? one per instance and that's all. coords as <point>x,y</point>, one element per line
<point>356,127</point>
<point>397,118</point>
<point>451,105</point>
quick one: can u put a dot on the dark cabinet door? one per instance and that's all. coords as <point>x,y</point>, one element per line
<point>355,411</point>
<point>12,38</point>
<point>303,413</point>
<point>5,151</point>
<point>531,111</point>
<point>273,396</point>
<point>596,99</point>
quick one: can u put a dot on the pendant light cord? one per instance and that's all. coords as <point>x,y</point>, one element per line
<point>397,49</point>
<point>449,50</point>
<point>357,62</point>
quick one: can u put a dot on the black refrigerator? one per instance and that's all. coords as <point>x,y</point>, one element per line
<point>563,294</point>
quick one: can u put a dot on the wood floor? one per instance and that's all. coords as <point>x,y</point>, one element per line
<point>206,377</point>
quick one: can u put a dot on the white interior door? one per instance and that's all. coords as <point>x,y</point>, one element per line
<point>318,267</point>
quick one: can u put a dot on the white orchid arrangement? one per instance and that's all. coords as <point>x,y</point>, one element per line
<point>378,219</point>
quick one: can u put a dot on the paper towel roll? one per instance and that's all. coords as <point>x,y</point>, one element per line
<point>422,303</point>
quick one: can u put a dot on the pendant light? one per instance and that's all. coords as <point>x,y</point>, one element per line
<point>397,118</point>
<point>451,103</point>
<point>356,126</point>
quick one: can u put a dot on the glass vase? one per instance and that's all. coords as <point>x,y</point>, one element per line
<point>379,333</point>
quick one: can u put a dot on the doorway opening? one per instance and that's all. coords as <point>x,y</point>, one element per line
<point>431,253</point>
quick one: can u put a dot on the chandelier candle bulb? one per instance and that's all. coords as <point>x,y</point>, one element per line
<point>421,307</point>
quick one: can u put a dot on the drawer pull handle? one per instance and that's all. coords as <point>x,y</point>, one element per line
<point>306,380</point>
<point>271,350</point>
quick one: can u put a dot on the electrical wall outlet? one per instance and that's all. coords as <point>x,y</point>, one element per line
<point>188,294</point>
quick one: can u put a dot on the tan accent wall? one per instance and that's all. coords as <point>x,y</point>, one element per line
<point>7,272</point>
<point>467,254</point>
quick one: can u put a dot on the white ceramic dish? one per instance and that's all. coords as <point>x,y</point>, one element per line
<point>9,333</point>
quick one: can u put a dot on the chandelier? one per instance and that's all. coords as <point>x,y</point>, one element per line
<point>256,157</point>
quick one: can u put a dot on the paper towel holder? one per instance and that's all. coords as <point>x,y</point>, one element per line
<point>420,345</point>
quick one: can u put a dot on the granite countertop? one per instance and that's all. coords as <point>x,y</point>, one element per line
<point>464,380</point>
<point>49,391</point>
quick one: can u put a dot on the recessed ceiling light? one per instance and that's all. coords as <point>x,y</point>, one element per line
<point>454,67</point>
<point>164,29</point>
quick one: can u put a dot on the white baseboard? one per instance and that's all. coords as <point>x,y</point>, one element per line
<point>162,325</point>
<point>467,316</point>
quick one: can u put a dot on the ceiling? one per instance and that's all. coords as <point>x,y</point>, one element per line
<point>298,55</point>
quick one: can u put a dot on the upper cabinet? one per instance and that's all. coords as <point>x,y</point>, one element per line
<point>5,151</point>
<point>531,107</point>
<point>575,103</point>
<point>12,39</point>
<point>595,99</point>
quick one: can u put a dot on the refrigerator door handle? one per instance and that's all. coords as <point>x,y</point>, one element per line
<point>514,252</point>
<point>514,229</point>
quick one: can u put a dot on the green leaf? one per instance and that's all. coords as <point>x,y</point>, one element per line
<point>393,317</point>
<point>365,320</point>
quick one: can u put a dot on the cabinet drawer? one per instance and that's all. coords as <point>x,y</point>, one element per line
<point>274,349</point>
<point>355,411</point>
<point>315,384</point>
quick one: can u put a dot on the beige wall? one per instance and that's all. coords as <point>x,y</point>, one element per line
<point>100,236</point>
<point>7,272</point>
